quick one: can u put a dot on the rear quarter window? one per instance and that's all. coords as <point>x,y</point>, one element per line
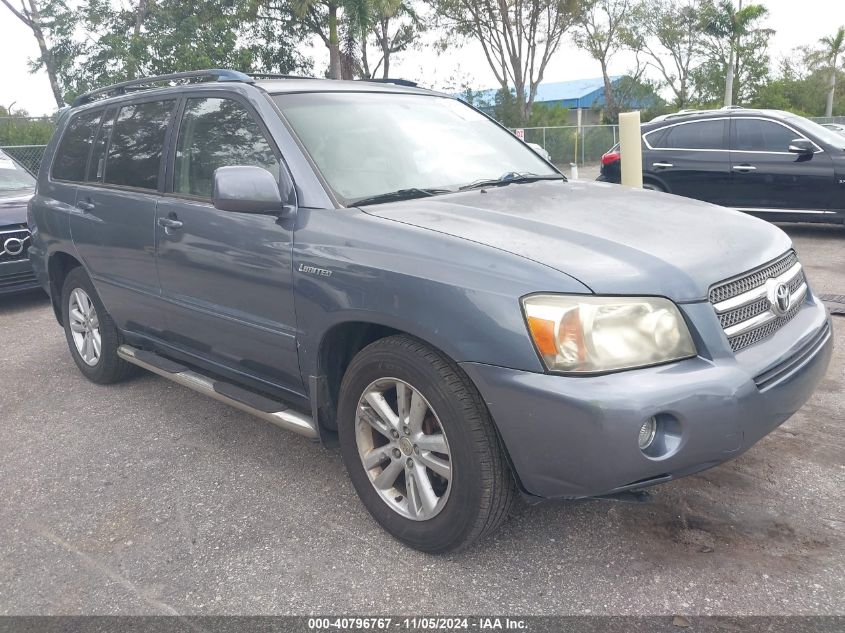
<point>694,135</point>
<point>72,153</point>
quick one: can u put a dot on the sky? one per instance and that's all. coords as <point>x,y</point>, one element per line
<point>796,22</point>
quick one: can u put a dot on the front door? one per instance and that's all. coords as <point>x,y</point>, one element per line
<point>768,179</point>
<point>226,275</point>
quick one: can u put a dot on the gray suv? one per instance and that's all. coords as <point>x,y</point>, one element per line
<point>386,269</point>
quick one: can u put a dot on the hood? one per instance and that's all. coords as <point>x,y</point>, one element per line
<point>613,239</point>
<point>13,207</point>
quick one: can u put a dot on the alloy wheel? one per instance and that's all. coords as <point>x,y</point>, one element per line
<point>403,449</point>
<point>84,326</point>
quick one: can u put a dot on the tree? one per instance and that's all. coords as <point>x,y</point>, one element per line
<point>602,31</point>
<point>518,37</point>
<point>58,17</point>
<point>392,26</point>
<point>668,32</point>
<point>735,43</point>
<point>832,47</point>
<point>101,42</point>
<point>321,18</point>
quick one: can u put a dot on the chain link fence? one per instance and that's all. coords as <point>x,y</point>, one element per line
<point>572,144</point>
<point>27,155</point>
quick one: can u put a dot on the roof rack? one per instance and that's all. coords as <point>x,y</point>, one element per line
<point>399,82</point>
<point>278,76</point>
<point>215,74</point>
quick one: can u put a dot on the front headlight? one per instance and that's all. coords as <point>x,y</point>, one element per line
<point>589,334</point>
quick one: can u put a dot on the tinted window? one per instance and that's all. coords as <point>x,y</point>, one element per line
<point>698,135</point>
<point>72,155</point>
<point>98,154</point>
<point>757,135</point>
<point>216,133</point>
<point>137,142</point>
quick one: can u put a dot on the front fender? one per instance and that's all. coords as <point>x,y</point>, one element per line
<point>458,296</point>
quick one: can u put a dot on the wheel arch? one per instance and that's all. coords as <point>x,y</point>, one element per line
<point>339,345</point>
<point>59,266</point>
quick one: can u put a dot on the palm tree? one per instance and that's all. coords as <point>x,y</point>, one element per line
<point>833,47</point>
<point>732,24</point>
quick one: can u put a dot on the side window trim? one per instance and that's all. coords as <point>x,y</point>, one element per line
<point>112,112</point>
<point>798,135</point>
<point>688,149</point>
<point>169,191</point>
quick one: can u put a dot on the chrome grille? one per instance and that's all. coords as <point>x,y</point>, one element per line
<point>749,281</point>
<point>14,243</point>
<point>745,306</point>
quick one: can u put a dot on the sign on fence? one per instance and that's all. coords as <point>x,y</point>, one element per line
<point>520,133</point>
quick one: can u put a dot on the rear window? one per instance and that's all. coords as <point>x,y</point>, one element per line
<point>695,135</point>
<point>137,143</point>
<point>72,154</point>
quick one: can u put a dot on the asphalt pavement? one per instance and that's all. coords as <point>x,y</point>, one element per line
<point>146,498</point>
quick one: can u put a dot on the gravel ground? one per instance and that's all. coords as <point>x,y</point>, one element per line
<point>147,498</point>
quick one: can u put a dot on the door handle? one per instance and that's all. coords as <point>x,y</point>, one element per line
<point>169,224</point>
<point>744,168</point>
<point>85,205</point>
<point>662,165</point>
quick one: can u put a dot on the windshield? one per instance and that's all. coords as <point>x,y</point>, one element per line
<point>13,176</point>
<point>825,135</point>
<point>370,144</point>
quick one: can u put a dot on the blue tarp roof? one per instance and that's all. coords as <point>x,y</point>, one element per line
<point>575,89</point>
<point>578,93</point>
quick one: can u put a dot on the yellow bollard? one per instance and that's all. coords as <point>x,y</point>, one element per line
<point>631,149</point>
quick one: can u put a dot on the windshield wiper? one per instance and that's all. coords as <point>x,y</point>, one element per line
<point>509,178</point>
<point>397,196</point>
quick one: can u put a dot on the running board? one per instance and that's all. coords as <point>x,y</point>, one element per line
<point>260,406</point>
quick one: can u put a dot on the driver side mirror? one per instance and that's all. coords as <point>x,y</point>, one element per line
<point>247,189</point>
<point>802,146</point>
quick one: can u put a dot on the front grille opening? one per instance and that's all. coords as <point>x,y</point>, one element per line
<point>753,279</point>
<point>757,312</point>
<point>14,244</point>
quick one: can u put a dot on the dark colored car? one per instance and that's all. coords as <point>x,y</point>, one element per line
<point>771,164</point>
<point>16,188</point>
<point>385,268</point>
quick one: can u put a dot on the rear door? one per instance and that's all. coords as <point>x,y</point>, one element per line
<point>114,227</point>
<point>769,180</point>
<point>690,158</point>
<point>226,275</point>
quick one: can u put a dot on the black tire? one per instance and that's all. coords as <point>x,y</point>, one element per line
<point>482,488</point>
<point>109,367</point>
<point>653,186</point>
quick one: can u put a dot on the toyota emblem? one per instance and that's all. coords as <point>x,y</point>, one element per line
<point>781,300</point>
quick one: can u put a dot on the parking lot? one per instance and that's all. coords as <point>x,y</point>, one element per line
<point>145,497</point>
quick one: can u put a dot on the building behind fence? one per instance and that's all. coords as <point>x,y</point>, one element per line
<point>583,145</point>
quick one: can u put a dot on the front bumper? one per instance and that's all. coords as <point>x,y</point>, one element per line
<point>572,437</point>
<point>17,276</point>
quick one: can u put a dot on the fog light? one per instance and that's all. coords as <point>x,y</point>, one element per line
<point>647,432</point>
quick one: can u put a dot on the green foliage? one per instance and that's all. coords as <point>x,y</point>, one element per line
<point>732,36</point>
<point>164,36</point>
<point>19,129</point>
<point>801,86</point>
